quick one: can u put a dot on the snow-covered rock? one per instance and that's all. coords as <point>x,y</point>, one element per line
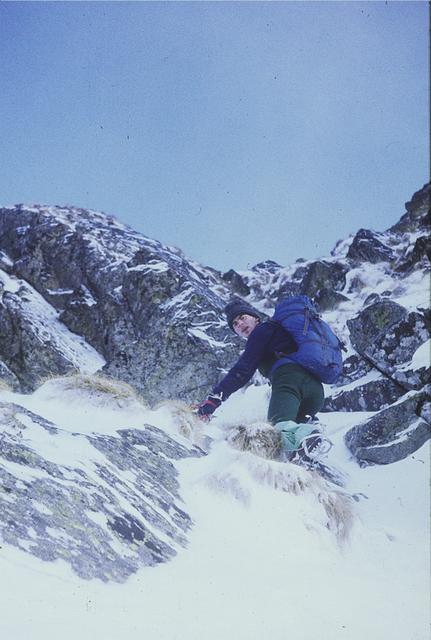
<point>368,247</point>
<point>105,504</point>
<point>373,395</point>
<point>151,314</point>
<point>34,343</point>
<point>393,433</point>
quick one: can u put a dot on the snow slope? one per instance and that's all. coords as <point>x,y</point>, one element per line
<point>260,561</point>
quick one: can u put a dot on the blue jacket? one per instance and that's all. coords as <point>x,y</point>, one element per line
<point>265,346</point>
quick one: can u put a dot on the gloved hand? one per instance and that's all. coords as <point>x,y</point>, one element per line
<point>206,408</point>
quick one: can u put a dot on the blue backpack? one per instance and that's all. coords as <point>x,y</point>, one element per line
<point>319,349</point>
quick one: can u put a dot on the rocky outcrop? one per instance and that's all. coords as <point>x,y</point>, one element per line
<point>420,254</point>
<point>153,316</point>
<point>269,266</point>
<point>237,283</point>
<point>354,368</point>
<point>368,247</point>
<point>327,300</point>
<point>83,510</point>
<point>370,396</point>
<point>373,323</point>
<point>386,335</point>
<point>323,275</point>
<point>323,282</point>
<point>33,343</point>
<point>319,280</point>
<point>7,378</point>
<point>288,288</point>
<point>392,434</point>
<point>417,214</point>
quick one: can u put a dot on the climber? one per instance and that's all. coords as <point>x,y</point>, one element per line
<point>296,396</point>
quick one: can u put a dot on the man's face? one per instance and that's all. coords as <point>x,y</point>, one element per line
<point>244,324</point>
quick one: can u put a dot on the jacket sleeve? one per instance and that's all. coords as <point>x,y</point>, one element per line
<point>244,368</point>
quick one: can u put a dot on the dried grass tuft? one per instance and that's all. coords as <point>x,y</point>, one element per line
<point>259,438</point>
<point>104,388</point>
<point>4,386</point>
<point>186,420</point>
<point>339,509</point>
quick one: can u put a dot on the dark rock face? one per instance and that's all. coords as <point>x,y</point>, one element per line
<point>366,247</point>
<point>387,336</point>
<point>84,512</point>
<point>354,367</point>
<point>372,396</point>
<point>237,283</point>
<point>405,336</point>
<point>393,433</point>
<point>319,280</point>
<point>372,298</point>
<point>417,214</point>
<point>153,316</point>
<point>30,350</point>
<point>412,378</point>
<point>421,253</point>
<point>268,265</point>
<point>373,323</point>
<point>323,275</point>
<point>327,299</point>
<point>8,378</point>
<point>287,289</point>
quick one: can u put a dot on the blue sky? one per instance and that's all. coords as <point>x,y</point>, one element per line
<point>237,131</point>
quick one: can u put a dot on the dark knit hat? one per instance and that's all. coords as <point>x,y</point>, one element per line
<point>236,308</point>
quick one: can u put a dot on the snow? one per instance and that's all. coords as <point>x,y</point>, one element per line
<point>371,376</point>
<point>414,291</point>
<point>21,230</point>
<point>421,357</point>
<point>402,435</point>
<point>260,562</point>
<point>341,248</point>
<point>59,292</point>
<point>5,259</point>
<point>180,303</point>
<point>9,283</point>
<point>152,265</point>
<point>88,298</point>
<point>201,335</point>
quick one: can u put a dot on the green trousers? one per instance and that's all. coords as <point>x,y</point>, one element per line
<point>295,394</point>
